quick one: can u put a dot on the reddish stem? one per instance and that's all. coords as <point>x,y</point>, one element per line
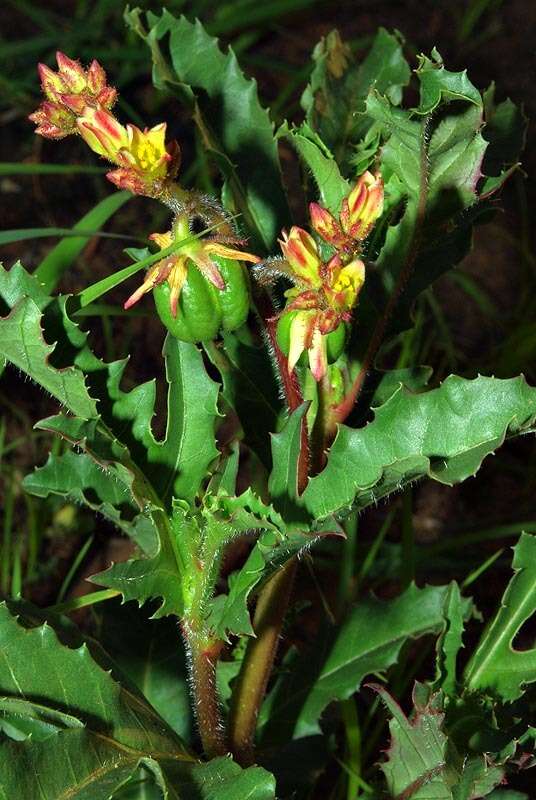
<point>341,411</point>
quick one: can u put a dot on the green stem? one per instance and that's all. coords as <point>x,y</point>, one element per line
<point>275,595</point>
<point>258,661</point>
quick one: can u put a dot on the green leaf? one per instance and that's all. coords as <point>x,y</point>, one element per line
<point>437,84</point>
<point>233,125</point>
<point>104,490</point>
<point>331,185</point>
<point>388,382</point>
<point>450,642</point>
<point>369,640</point>
<point>335,97</point>
<point>496,666</point>
<point>22,344</point>
<point>84,766</point>
<point>177,463</point>
<point>159,577</point>
<point>421,762</point>
<point>80,765</point>
<point>64,254</point>
<point>283,483</point>
<point>444,434</point>
<point>35,664</point>
<point>249,386</point>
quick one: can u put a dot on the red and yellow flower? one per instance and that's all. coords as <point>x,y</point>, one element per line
<point>68,92</point>
<point>143,159</point>
<point>359,211</point>
<point>323,297</point>
<point>174,267</point>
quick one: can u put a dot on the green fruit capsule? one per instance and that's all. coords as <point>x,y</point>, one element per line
<point>335,343</point>
<point>203,310</point>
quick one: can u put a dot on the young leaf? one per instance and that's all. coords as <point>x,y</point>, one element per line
<point>161,576</point>
<point>368,641</point>
<point>496,666</point>
<point>232,123</point>
<point>283,483</point>
<point>444,434</point>
<point>449,642</point>
<point>421,763</point>
<point>331,185</point>
<point>335,97</point>
<point>437,83</point>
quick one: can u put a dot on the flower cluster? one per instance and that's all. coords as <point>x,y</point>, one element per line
<point>80,101</point>
<point>325,292</point>
<point>359,212</point>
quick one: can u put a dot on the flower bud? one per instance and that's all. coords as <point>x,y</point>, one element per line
<point>68,91</point>
<point>363,206</point>
<point>300,250</point>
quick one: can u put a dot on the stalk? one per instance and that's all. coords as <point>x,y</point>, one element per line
<point>202,659</point>
<point>274,597</point>
<point>258,662</point>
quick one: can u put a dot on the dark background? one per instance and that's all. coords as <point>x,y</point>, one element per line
<point>493,40</point>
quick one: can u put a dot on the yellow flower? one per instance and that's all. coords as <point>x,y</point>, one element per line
<point>144,161</point>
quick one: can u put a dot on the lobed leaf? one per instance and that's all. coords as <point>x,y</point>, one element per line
<point>422,763</point>
<point>23,345</point>
<point>331,185</point>
<point>444,434</point>
<point>496,666</point>
<point>369,640</point>
<point>110,734</point>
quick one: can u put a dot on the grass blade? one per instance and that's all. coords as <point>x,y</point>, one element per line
<point>65,252</point>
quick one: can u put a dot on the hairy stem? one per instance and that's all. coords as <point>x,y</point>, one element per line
<point>202,659</point>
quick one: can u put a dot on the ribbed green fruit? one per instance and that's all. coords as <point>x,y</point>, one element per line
<point>203,310</point>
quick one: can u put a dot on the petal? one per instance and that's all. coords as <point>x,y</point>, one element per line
<point>325,224</point>
<point>318,359</point>
<point>229,252</point>
<point>176,280</point>
<point>128,179</point>
<point>162,239</point>
<point>72,72</point>
<point>207,268</point>
<point>51,82</point>
<point>300,250</point>
<point>149,283</point>
<point>300,335</point>
<point>96,77</point>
